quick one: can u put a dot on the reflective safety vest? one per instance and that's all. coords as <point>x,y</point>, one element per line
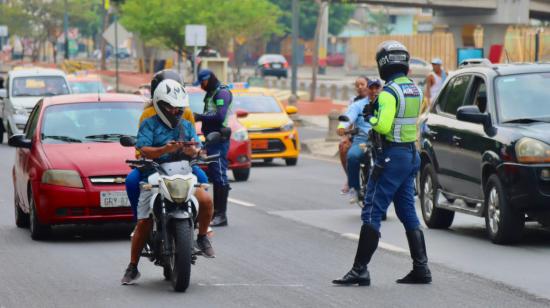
<point>211,106</point>
<point>409,98</point>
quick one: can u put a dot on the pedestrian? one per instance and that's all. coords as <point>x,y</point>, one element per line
<point>362,91</point>
<point>215,119</point>
<point>393,119</point>
<point>435,81</point>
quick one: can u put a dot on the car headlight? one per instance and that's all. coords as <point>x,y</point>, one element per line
<point>240,135</point>
<point>288,126</point>
<point>67,178</point>
<point>178,189</point>
<point>21,112</point>
<point>530,150</point>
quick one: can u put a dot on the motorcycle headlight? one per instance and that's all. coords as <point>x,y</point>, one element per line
<point>178,189</point>
<point>67,178</point>
<point>240,135</point>
<point>531,151</point>
<point>288,126</point>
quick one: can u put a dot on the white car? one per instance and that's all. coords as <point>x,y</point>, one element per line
<point>24,88</point>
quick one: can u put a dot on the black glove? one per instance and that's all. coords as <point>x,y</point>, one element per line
<point>196,116</point>
<point>367,111</point>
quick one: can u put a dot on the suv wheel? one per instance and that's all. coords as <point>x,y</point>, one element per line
<point>434,217</point>
<point>504,224</point>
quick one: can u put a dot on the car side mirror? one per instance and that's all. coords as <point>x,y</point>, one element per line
<point>291,109</point>
<point>128,141</point>
<point>213,138</point>
<point>241,113</point>
<point>3,93</point>
<point>19,141</point>
<point>472,114</point>
<point>343,118</point>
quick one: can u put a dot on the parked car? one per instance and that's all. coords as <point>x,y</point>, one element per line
<point>272,65</point>
<point>419,68</point>
<point>485,142</point>
<point>69,166</point>
<point>24,87</point>
<point>239,155</point>
<point>336,59</point>
<point>144,90</point>
<point>272,132</point>
<point>87,83</point>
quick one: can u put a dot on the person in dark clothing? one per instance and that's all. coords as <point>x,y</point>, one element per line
<point>215,119</point>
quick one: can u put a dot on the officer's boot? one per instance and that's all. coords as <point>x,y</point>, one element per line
<point>420,272</point>
<point>359,274</point>
<point>220,205</point>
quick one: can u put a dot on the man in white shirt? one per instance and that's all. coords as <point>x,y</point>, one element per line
<point>435,80</point>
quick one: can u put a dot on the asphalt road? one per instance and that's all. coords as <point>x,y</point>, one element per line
<point>290,234</point>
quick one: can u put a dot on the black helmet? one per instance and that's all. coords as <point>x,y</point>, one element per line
<point>163,75</point>
<point>392,57</point>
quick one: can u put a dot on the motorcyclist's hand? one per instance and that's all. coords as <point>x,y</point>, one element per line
<point>341,131</point>
<point>172,146</point>
<point>190,150</point>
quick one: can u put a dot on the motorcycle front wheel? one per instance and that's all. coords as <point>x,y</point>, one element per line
<point>180,261</point>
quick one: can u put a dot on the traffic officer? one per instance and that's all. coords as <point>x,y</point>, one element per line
<point>392,179</point>
<point>215,119</point>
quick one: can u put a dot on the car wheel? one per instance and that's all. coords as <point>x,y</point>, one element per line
<point>38,230</point>
<point>241,175</point>
<point>434,217</point>
<point>504,224</point>
<point>291,161</point>
<point>268,160</point>
<point>21,218</point>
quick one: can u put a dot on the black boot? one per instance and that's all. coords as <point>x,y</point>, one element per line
<point>420,273</point>
<point>220,206</point>
<point>359,274</point>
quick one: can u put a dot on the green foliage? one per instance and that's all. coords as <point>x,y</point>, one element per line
<point>339,15</point>
<point>381,22</point>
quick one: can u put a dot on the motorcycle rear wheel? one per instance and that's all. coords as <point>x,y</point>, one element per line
<point>180,262</point>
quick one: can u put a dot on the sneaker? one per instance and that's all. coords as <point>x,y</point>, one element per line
<point>353,196</point>
<point>131,275</point>
<point>205,247</point>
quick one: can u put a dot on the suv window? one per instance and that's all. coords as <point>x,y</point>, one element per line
<point>30,128</point>
<point>478,95</point>
<point>454,96</point>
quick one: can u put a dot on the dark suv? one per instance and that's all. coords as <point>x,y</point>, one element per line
<point>485,148</point>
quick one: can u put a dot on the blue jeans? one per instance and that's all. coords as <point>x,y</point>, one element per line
<point>354,158</point>
<point>395,183</point>
<point>217,170</point>
<point>134,177</point>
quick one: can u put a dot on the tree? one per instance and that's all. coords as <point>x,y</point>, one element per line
<point>380,21</point>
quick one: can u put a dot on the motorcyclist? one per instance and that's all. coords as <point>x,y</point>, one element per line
<point>133,178</point>
<point>397,162</point>
<point>215,119</point>
<point>160,138</point>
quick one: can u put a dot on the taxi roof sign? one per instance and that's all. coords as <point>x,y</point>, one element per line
<point>238,86</point>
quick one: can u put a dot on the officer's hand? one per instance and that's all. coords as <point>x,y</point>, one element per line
<point>196,116</point>
<point>367,110</point>
<point>341,131</point>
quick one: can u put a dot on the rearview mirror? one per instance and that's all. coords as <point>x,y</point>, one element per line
<point>241,113</point>
<point>19,141</point>
<point>343,118</point>
<point>213,138</point>
<point>127,141</point>
<point>291,109</point>
<point>472,114</point>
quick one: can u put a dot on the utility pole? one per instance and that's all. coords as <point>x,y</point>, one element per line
<point>295,34</point>
<point>116,49</point>
<point>66,30</point>
<point>315,65</point>
<point>106,5</point>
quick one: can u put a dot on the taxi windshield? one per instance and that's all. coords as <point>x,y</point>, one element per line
<point>256,104</point>
<point>39,86</point>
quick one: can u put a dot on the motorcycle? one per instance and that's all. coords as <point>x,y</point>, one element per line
<point>170,244</point>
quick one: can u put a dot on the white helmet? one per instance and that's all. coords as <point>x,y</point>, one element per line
<point>170,94</point>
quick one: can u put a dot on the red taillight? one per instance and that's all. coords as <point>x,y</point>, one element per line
<point>285,64</point>
<point>266,65</point>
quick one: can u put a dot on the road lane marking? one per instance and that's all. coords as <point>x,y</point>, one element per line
<point>290,285</point>
<point>382,245</point>
<point>240,202</point>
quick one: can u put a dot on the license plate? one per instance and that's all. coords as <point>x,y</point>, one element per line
<point>260,144</point>
<point>276,65</point>
<point>114,199</point>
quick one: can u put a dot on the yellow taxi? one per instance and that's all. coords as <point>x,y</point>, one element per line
<point>271,131</point>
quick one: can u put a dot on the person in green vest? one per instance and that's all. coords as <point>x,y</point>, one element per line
<point>393,119</point>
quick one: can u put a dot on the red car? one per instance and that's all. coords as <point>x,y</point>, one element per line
<point>69,165</point>
<point>240,150</point>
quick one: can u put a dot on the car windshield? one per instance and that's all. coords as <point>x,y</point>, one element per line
<point>87,87</point>
<point>90,122</point>
<point>523,97</point>
<point>256,104</point>
<point>39,86</point>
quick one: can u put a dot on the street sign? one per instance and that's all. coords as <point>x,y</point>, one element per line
<point>195,35</point>
<point>3,31</point>
<point>123,34</point>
